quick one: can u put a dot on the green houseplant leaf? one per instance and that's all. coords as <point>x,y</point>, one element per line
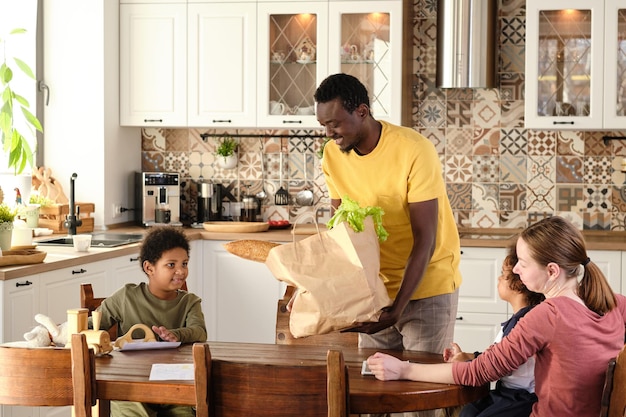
<point>226,147</point>
<point>16,143</point>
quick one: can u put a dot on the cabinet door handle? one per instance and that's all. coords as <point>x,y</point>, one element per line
<point>292,121</point>
<point>23,284</point>
<point>222,121</point>
<point>460,318</point>
<point>80,271</point>
<point>153,120</point>
<point>134,259</point>
<point>562,123</point>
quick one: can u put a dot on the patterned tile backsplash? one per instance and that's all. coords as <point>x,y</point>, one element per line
<point>498,173</point>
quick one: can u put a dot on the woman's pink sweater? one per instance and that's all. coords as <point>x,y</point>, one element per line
<point>573,347</point>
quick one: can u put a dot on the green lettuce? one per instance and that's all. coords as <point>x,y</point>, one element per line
<point>349,211</point>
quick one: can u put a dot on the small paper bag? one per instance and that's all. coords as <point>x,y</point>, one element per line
<point>336,273</point>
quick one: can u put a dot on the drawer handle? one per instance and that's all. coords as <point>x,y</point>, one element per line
<point>222,121</point>
<point>460,318</point>
<point>80,271</point>
<point>23,284</point>
<point>562,123</point>
<point>153,120</point>
<point>134,259</point>
<point>292,121</point>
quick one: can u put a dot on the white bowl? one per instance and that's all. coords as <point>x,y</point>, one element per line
<point>81,242</point>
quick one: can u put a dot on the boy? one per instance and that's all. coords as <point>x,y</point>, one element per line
<point>515,393</point>
<point>174,315</point>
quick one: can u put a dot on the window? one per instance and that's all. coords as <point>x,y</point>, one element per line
<point>21,14</point>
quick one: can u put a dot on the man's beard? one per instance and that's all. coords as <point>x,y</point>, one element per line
<point>352,147</point>
<point>349,149</point>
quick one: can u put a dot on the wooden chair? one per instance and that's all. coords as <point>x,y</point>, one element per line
<point>284,336</point>
<point>88,301</point>
<point>236,389</point>
<point>614,394</point>
<point>51,377</point>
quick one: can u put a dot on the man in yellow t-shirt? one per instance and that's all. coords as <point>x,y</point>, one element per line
<point>379,164</point>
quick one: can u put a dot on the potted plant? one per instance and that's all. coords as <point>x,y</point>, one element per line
<point>226,152</point>
<point>16,143</point>
<point>7,215</point>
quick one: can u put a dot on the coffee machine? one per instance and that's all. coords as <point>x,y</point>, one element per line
<point>158,198</point>
<point>209,201</point>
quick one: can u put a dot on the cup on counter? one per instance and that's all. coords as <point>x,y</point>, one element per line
<point>82,243</point>
<point>22,236</point>
<point>162,214</point>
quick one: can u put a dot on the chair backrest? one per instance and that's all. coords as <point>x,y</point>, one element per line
<point>38,377</point>
<point>614,393</point>
<point>88,301</point>
<point>284,336</point>
<point>237,389</point>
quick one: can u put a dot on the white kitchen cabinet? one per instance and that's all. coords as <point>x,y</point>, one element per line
<point>292,60</point>
<point>365,40</point>
<point>481,311</point>
<point>208,63</point>
<point>60,289</point>
<point>480,269</point>
<point>196,262</point>
<point>564,58</point>
<point>575,64</point>
<point>240,297</point>
<point>610,262</point>
<point>476,331</point>
<point>20,303</point>
<point>123,270</point>
<point>221,64</point>
<point>153,64</point>
<point>623,288</point>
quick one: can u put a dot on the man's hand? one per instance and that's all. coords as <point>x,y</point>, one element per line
<point>387,318</point>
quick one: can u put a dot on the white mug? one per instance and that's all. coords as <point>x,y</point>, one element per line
<point>276,107</point>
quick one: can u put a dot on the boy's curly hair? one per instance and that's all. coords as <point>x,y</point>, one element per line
<point>514,281</point>
<point>160,239</point>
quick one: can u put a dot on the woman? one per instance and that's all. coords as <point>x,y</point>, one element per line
<point>573,333</point>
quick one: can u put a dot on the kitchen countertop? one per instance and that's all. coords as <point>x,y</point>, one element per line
<point>63,257</point>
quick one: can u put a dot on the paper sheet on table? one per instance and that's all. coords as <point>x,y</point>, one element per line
<point>171,371</point>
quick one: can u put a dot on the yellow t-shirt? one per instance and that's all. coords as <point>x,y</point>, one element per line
<point>403,168</point>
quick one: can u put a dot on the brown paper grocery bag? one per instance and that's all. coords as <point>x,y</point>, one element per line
<point>336,273</point>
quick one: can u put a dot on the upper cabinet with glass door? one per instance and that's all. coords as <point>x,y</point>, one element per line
<point>615,68</point>
<point>365,40</point>
<point>292,60</point>
<point>564,64</point>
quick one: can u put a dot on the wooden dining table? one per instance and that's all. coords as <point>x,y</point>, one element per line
<point>125,376</point>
